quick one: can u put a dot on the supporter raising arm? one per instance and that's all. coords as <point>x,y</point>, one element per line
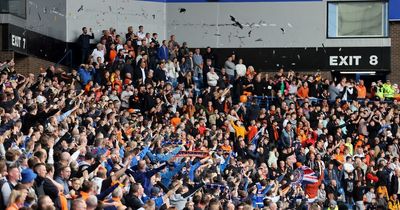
<point>6,103</point>
<point>143,176</point>
<point>84,43</point>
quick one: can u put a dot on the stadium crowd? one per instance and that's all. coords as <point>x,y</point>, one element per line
<point>151,124</point>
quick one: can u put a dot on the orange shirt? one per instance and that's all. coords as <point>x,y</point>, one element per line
<point>113,54</point>
<point>119,137</point>
<point>361,91</point>
<point>252,132</point>
<point>226,148</point>
<point>189,109</point>
<point>302,138</point>
<point>302,92</point>
<point>312,189</point>
<point>339,158</point>
<point>13,206</point>
<point>119,83</point>
<point>88,87</point>
<point>128,132</point>
<point>63,201</point>
<point>239,130</point>
<point>176,121</point>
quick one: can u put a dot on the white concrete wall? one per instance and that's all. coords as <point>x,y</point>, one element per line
<point>103,14</point>
<point>304,25</point>
<point>201,25</point>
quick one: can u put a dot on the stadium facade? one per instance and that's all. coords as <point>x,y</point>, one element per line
<point>357,38</point>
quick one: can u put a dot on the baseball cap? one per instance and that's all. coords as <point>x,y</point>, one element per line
<point>27,175</point>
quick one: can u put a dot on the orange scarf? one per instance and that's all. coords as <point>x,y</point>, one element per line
<point>63,201</point>
<point>276,134</point>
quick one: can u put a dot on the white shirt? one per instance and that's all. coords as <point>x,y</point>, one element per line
<point>138,58</point>
<point>6,191</point>
<point>98,182</point>
<point>241,70</point>
<point>292,89</point>
<point>98,53</point>
<point>125,98</point>
<point>212,79</point>
<point>143,74</point>
<point>148,40</point>
<point>172,71</point>
<point>119,47</point>
<point>140,35</point>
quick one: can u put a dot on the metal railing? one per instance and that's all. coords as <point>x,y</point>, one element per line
<point>68,55</point>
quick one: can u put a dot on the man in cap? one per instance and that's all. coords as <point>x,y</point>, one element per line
<point>27,179</point>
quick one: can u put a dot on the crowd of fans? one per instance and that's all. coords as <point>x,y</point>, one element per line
<point>149,124</point>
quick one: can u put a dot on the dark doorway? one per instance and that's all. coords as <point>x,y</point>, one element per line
<point>367,77</point>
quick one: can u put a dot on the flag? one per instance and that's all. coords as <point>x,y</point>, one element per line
<point>200,154</point>
<point>383,128</point>
<point>254,140</point>
<point>309,175</point>
<point>304,175</point>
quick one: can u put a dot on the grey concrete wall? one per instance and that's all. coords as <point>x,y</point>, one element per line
<point>42,16</point>
<point>47,17</point>
<point>103,14</point>
<point>201,24</point>
<point>210,24</point>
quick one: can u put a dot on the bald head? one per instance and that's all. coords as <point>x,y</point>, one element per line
<point>91,202</point>
<point>65,157</point>
<point>79,204</point>
<point>117,193</point>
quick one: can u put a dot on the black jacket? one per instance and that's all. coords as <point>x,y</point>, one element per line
<point>29,120</point>
<point>137,74</point>
<point>84,40</point>
<point>383,176</point>
<point>394,185</point>
<point>46,186</point>
<point>160,75</point>
<point>133,202</point>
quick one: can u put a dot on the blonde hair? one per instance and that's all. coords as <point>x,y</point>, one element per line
<point>17,196</point>
<point>149,205</point>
